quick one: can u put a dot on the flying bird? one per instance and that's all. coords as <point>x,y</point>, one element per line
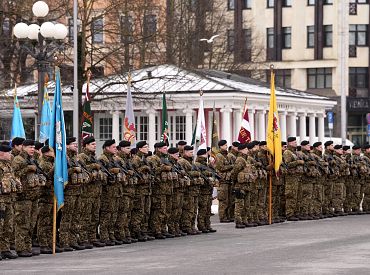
<point>209,41</point>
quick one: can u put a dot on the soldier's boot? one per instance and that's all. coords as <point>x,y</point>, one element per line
<point>98,244</point>
<point>109,243</point>
<point>78,247</point>
<point>168,235</point>
<point>59,249</point>
<point>35,252</point>
<point>8,255</point>
<point>159,236</point>
<point>211,230</point>
<point>239,226</point>
<point>24,254</point>
<point>45,250</point>
<point>68,249</point>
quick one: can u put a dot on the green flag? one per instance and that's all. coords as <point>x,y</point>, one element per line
<point>164,136</point>
<point>215,139</point>
<point>87,119</point>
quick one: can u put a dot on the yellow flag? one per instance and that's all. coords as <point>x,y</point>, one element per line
<point>273,128</point>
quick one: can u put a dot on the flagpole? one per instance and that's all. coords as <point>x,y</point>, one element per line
<point>54,224</point>
<point>271,160</point>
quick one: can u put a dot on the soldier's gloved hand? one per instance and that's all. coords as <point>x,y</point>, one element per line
<point>166,168</point>
<point>300,161</point>
<point>114,170</point>
<point>32,168</point>
<point>77,169</point>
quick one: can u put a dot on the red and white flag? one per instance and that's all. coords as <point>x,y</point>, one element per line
<point>245,129</point>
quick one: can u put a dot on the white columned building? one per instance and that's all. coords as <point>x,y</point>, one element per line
<point>251,113</point>
<point>261,124</point>
<point>238,117</point>
<point>321,127</point>
<point>226,124</point>
<point>312,128</point>
<point>189,124</point>
<point>302,126</point>
<point>115,126</point>
<point>151,127</point>
<point>292,124</point>
<point>282,118</point>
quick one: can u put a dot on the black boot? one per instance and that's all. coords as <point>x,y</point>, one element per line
<point>24,254</point>
<point>8,255</point>
<point>45,250</point>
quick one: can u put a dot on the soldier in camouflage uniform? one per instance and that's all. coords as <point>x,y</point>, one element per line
<point>16,146</point>
<point>38,153</point>
<point>231,156</point>
<point>205,192</point>
<point>347,156</point>
<point>122,231</point>
<point>223,167</point>
<point>339,191</point>
<point>366,186</point>
<point>71,212</point>
<point>327,208</point>
<point>292,179</point>
<point>358,171</point>
<point>90,195</point>
<point>9,185</point>
<point>111,193</point>
<point>180,145</point>
<point>26,204</point>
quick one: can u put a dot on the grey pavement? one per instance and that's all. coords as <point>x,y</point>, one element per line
<point>332,246</point>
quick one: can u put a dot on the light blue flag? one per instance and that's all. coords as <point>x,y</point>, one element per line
<point>45,117</point>
<point>57,140</point>
<point>17,123</point>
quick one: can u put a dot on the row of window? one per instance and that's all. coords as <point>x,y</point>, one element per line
<point>247,4</point>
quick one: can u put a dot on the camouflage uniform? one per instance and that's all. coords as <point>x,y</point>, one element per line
<point>329,184</point>
<point>231,157</point>
<point>320,181</point>
<point>357,170</point>
<point>45,205</point>
<point>262,157</point>
<point>348,183</point>
<point>366,186</point>
<point>339,191</point>
<point>71,212</point>
<point>9,186</point>
<point>223,167</point>
<point>90,197</point>
<point>26,204</point>
<point>292,180</point>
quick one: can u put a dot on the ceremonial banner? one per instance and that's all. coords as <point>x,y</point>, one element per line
<point>215,138</point>
<point>45,115</point>
<point>87,119</point>
<point>164,136</point>
<point>245,129</point>
<point>129,130</point>
<point>17,123</point>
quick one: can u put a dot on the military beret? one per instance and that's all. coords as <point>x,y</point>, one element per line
<point>290,139</point>
<point>160,144</point>
<point>172,150</point>
<point>283,143</point>
<point>356,147</point>
<point>337,147</point>
<point>70,140</point>
<point>28,142</point>
<point>5,148</point>
<point>222,142</point>
<point>45,149</point>
<point>46,142</point>
<point>141,144</point>
<point>328,143</point>
<point>242,146</point>
<point>317,144</point>
<point>108,143</point>
<point>17,141</point>
<point>299,148</point>
<point>88,140</point>
<point>5,142</point>
<point>250,145</point>
<point>208,148</point>
<point>256,142</point>
<point>182,143</point>
<point>188,148</point>
<point>366,146</point>
<point>305,142</point>
<point>124,143</point>
<point>263,142</point>
<point>201,152</point>
<point>133,151</point>
<point>346,147</point>
<point>38,145</point>
<point>236,143</point>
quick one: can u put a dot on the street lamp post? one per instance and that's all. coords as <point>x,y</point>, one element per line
<point>41,41</point>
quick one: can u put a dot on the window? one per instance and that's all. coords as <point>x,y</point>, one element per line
<point>97,71</point>
<point>328,35</point>
<point>319,78</point>
<point>359,1</point>
<point>287,38</point>
<point>230,4</point>
<point>358,35</point>
<point>105,128</point>
<point>287,3</point>
<point>150,25</point>
<point>247,4</point>
<point>177,128</point>
<point>127,27</point>
<point>97,28</point>
<point>5,27</point>
<point>310,36</point>
<point>358,77</point>
<point>71,29</point>
<point>5,125</point>
<point>142,127</point>
<point>283,78</point>
<point>310,2</point>
<point>270,3</point>
<point>270,38</point>
<point>328,2</point>
<point>230,40</point>
<point>247,33</point>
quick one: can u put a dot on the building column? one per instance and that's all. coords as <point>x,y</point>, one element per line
<point>115,126</point>
<point>151,127</point>
<point>238,117</point>
<point>261,125</point>
<point>321,127</point>
<point>312,128</point>
<point>282,119</point>
<point>251,122</point>
<point>292,125</point>
<point>302,126</point>
<point>189,124</point>
<point>226,125</point>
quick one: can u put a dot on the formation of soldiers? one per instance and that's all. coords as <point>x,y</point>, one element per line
<point>315,182</point>
<point>123,196</point>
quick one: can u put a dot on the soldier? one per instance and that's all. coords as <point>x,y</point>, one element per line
<point>111,193</point>
<point>223,167</point>
<point>205,193</point>
<point>26,204</point>
<point>348,180</point>
<point>122,231</point>
<point>17,146</point>
<point>339,187</point>
<point>366,186</point>
<point>90,195</point>
<point>231,156</point>
<point>71,212</point>
<point>292,179</point>
<point>359,181</point>
<point>38,153</point>
<point>329,184</point>
<point>180,145</point>
<point>9,186</point>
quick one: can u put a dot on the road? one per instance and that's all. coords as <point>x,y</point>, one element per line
<point>333,246</point>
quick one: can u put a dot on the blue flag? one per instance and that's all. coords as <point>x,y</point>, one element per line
<point>45,117</point>
<point>57,140</point>
<point>17,123</point>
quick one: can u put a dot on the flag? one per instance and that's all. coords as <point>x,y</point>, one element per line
<point>45,115</point>
<point>57,140</point>
<point>273,128</point>
<point>87,119</point>
<point>200,132</point>
<point>193,137</point>
<point>245,129</point>
<point>164,136</point>
<point>129,130</point>
<point>215,139</point>
<point>17,123</point>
